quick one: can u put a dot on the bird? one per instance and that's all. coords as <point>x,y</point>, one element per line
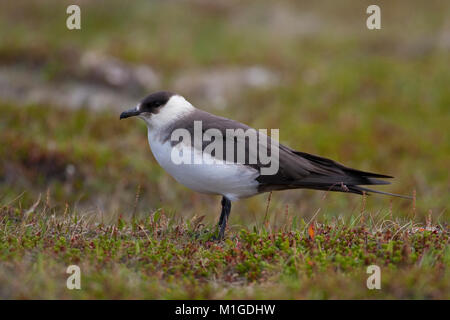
<point>166,113</point>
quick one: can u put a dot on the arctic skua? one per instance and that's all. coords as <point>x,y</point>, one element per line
<point>173,124</point>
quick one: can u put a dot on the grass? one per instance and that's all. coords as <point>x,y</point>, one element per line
<point>374,100</point>
<point>162,257</point>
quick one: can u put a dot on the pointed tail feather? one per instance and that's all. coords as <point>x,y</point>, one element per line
<point>333,176</point>
<point>368,191</point>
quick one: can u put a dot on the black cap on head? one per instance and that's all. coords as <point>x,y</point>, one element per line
<point>150,104</point>
<point>155,100</point>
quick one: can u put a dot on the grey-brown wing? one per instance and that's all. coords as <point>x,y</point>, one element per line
<point>295,169</point>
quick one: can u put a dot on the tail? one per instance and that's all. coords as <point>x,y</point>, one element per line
<point>329,175</point>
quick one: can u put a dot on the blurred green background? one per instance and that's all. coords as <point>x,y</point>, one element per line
<point>377,100</point>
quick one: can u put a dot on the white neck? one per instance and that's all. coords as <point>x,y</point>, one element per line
<point>176,107</point>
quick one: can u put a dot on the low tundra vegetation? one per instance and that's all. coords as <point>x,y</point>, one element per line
<point>160,256</point>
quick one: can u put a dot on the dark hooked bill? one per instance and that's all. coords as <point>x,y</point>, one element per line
<point>129,113</point>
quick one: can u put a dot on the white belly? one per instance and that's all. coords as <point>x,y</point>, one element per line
<point>234,181</point>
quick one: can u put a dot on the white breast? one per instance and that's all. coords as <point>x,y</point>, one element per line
<point>234,181</point>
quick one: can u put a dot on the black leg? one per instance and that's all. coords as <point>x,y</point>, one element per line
<point>226,209</point>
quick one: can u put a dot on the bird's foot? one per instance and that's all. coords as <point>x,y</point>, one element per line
<point>219,234</point>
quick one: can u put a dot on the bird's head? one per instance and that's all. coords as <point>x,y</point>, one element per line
<point>159,108</point>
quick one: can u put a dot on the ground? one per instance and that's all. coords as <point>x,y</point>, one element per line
<point>78,186</point>
<point>158,257</point>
